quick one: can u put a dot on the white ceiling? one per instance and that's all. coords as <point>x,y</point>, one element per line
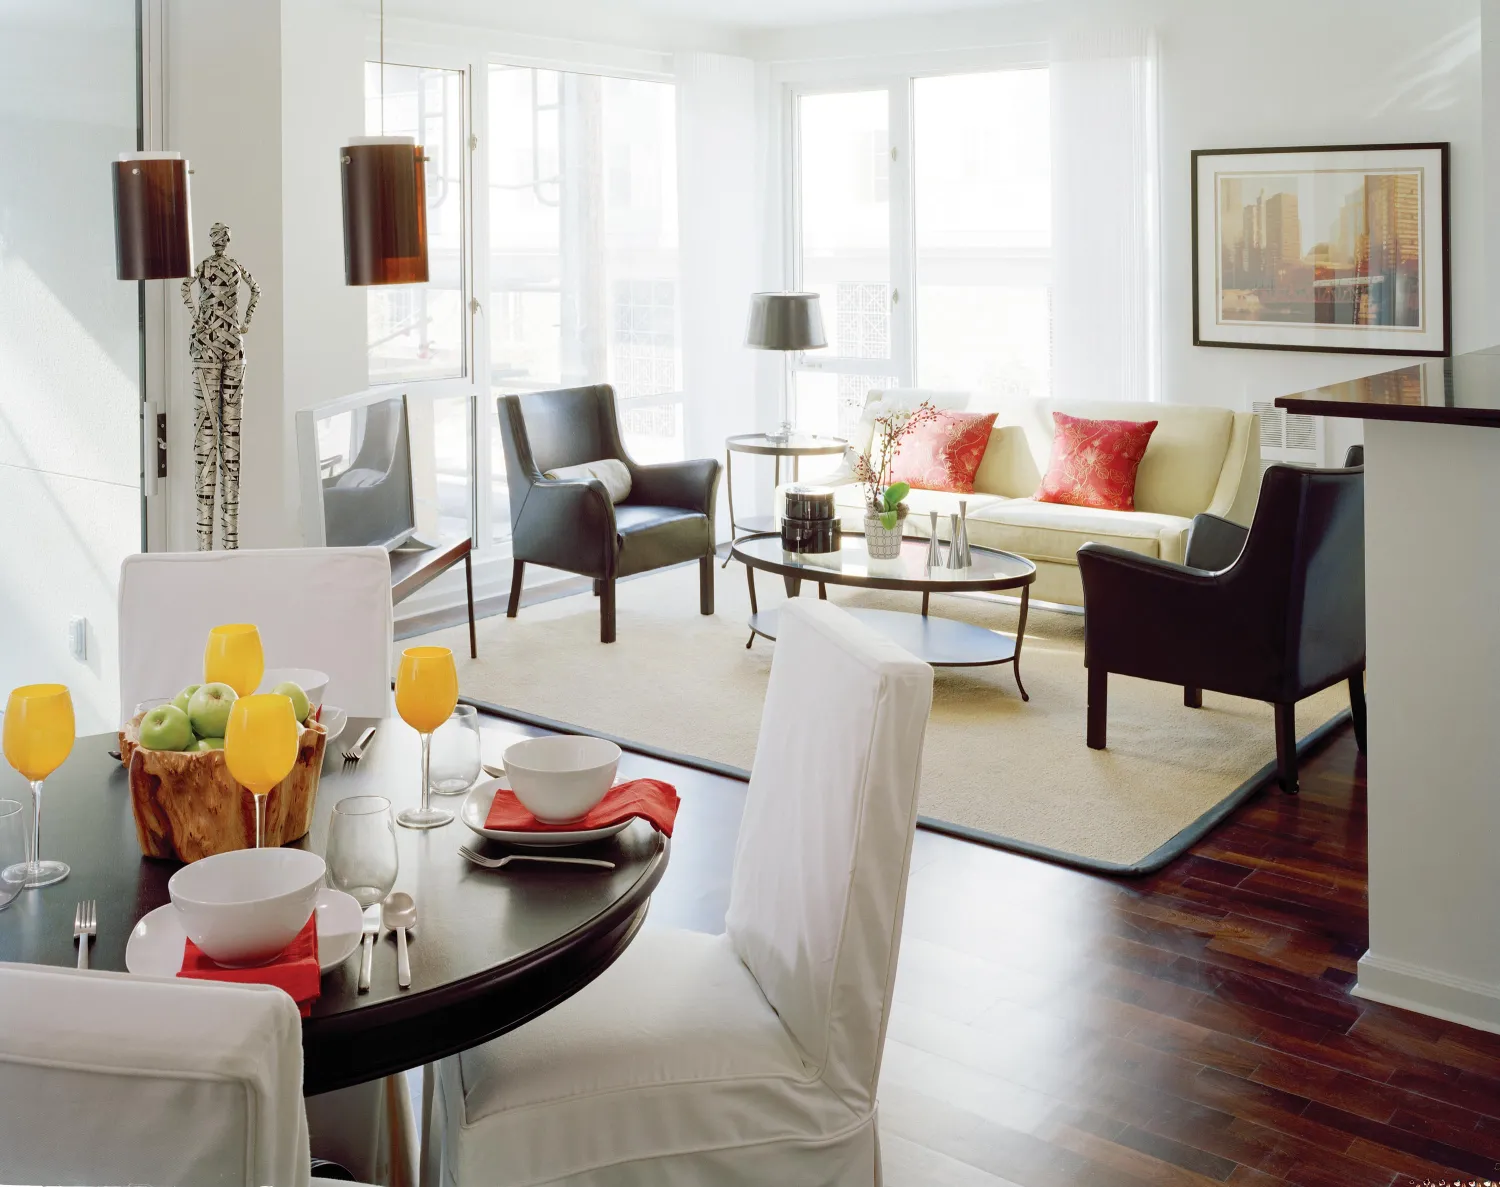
<point>773,14</point>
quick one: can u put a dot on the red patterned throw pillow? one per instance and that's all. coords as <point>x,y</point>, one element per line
<point>1094,462</point>
<point>944,453</point>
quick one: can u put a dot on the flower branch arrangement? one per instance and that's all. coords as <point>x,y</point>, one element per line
<point>884,510</point>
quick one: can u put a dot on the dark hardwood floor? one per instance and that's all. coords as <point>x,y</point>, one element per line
<point>1054,1028</point>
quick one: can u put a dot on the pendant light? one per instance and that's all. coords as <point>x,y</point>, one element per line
<point>153,222</point>
<point>385,203</point>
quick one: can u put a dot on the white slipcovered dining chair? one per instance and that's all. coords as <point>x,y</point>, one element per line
<point>113,1078</point>
<point>323,608</point>
<point>750,1057</point>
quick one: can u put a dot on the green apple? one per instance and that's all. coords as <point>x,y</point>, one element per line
<point>300,704</point>
<point>208,744</point>
<point>182,698</point>
<point>208,710</point>
<point>166,727</point>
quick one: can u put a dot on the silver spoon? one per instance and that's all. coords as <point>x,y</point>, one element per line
<point>398,913</point>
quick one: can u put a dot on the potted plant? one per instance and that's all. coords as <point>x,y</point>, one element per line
<point>885,513</point>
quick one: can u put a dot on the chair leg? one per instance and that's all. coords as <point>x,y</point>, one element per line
<point>1192,698</point>
<point>1098,707</point>
<point>1357,710</point>
<point>517,572</point>
<point>705,585</point>
<point>1286,747</point>
<point>607,610</point>
<point>469,594</point>
<point>598,586</point>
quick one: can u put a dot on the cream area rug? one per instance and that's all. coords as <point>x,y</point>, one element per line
<point>997,769</point>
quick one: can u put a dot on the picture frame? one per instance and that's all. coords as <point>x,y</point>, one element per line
<point>1340,249</point>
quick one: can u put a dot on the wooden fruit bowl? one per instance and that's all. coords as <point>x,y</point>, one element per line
<point>187,804</point>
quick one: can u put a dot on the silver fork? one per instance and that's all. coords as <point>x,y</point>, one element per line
<point>357,751</point>
<point>499,863</point>
<point>85,925</point>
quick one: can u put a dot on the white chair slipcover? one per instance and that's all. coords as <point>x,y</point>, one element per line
<point>750,1057</point>
<point>112,1078</point>
<point>323,608</point>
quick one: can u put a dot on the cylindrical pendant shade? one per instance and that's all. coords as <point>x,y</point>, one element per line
<point>385,211</point>
<point>785,321</point>
<point>153,223</point>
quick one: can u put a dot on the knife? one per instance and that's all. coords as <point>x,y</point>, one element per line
<point>371,933</point>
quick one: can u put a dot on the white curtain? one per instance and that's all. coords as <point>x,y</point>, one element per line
<point>718,215</point>
<point>1106,300</point>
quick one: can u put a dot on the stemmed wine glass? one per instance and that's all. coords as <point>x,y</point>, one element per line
<point>234,656</point>
<point>260,747</point>
<point>361,855</point>
<point>426,693</point>
<point>38,736</point>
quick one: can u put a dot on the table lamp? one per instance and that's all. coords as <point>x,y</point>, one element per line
<point>785,322</point>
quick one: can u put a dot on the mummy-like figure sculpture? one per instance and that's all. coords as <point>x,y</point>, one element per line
<point>218,353</point>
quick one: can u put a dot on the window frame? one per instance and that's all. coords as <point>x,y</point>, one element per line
<point>897,76</point>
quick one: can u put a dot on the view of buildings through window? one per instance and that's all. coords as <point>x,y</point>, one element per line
<point>968,305</point>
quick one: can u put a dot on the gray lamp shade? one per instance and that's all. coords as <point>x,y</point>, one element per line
<point>785,321</point>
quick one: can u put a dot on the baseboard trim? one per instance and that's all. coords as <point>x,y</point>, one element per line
<point>1426,991</point>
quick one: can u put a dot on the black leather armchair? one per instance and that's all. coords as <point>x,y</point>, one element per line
<point>667,518</point>
<point>1275,613</point>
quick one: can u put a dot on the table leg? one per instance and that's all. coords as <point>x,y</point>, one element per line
<point>822,591</point>
<point>729,493</point>
<point>754,609</point>
<point>793,586</point>
<point>469,594</point>
<point>1021,635</point>
<point>925,595</point>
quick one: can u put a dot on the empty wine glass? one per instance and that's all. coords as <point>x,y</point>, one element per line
<point>361,855</point>
<point>455,752</point>
<point>12,851</point>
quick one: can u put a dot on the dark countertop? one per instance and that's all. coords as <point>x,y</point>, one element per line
<point>1463,389</point>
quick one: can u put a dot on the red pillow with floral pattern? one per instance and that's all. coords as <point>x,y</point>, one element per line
<point>1094,462</point>
<point>944,453</point>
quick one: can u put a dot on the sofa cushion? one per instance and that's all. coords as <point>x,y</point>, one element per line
<point>849,499</point>
<point>1055,531</point>
<point>1094,462</point>
<point>944,452</point>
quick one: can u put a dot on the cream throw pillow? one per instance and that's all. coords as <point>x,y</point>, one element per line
<point>611,471</point>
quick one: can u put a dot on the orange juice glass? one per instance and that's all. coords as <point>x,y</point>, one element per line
<point>38,736</point>
<point>234,657</point>
<point>426,693</point>
<point>260,747</point>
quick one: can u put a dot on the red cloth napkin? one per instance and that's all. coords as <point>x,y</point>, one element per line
<point>295,970</point>
<point>650,799</point>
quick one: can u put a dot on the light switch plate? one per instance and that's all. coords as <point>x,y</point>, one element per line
<point>78,638</point>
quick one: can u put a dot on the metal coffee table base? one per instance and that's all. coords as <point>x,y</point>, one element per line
<point>941,642</point>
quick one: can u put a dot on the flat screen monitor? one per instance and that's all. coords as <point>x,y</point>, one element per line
<point>355,461</point>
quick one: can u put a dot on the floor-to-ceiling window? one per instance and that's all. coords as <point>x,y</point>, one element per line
<point>922,218</point>
<point>552,216</point>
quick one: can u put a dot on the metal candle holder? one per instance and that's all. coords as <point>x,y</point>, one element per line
<point>934,546</point>
<point>958,549</point>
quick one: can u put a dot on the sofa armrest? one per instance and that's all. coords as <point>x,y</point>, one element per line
<point>1214,543</point>
<point>1238,488</point>
<point>692,485</point>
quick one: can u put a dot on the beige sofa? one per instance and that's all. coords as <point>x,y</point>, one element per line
<point>1199,459</point>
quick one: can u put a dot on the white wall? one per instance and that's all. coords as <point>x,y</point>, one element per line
<point>1280,72</point>
<point>69,347</point>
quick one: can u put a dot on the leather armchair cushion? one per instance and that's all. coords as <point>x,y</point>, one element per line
<point>651,537</point>
<point>612,472</point>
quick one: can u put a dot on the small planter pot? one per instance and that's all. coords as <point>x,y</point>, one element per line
<point>881,542</point>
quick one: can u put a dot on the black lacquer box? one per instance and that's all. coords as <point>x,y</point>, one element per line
<point>811,522</point>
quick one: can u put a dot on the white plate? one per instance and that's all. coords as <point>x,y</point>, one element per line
<point>155,944</point>
<point>477,807</point>
<point>333,721</point>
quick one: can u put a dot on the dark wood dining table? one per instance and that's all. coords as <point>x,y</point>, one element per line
<point>490,949</point>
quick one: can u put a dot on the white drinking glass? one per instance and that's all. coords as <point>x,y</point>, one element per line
<point>12,851</point>
<point>361,854</point>
<point>455,753</point>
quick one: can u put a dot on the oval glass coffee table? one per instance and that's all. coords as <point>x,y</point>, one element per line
<point>941,642</point>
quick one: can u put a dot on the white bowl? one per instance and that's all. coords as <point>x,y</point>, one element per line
<point>243,907</point>
<point>313,682</point>
<point>560,778</point>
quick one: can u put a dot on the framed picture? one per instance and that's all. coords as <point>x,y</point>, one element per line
<point>1330,249</point>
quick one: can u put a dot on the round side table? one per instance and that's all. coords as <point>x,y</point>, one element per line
<point>796,447</point>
